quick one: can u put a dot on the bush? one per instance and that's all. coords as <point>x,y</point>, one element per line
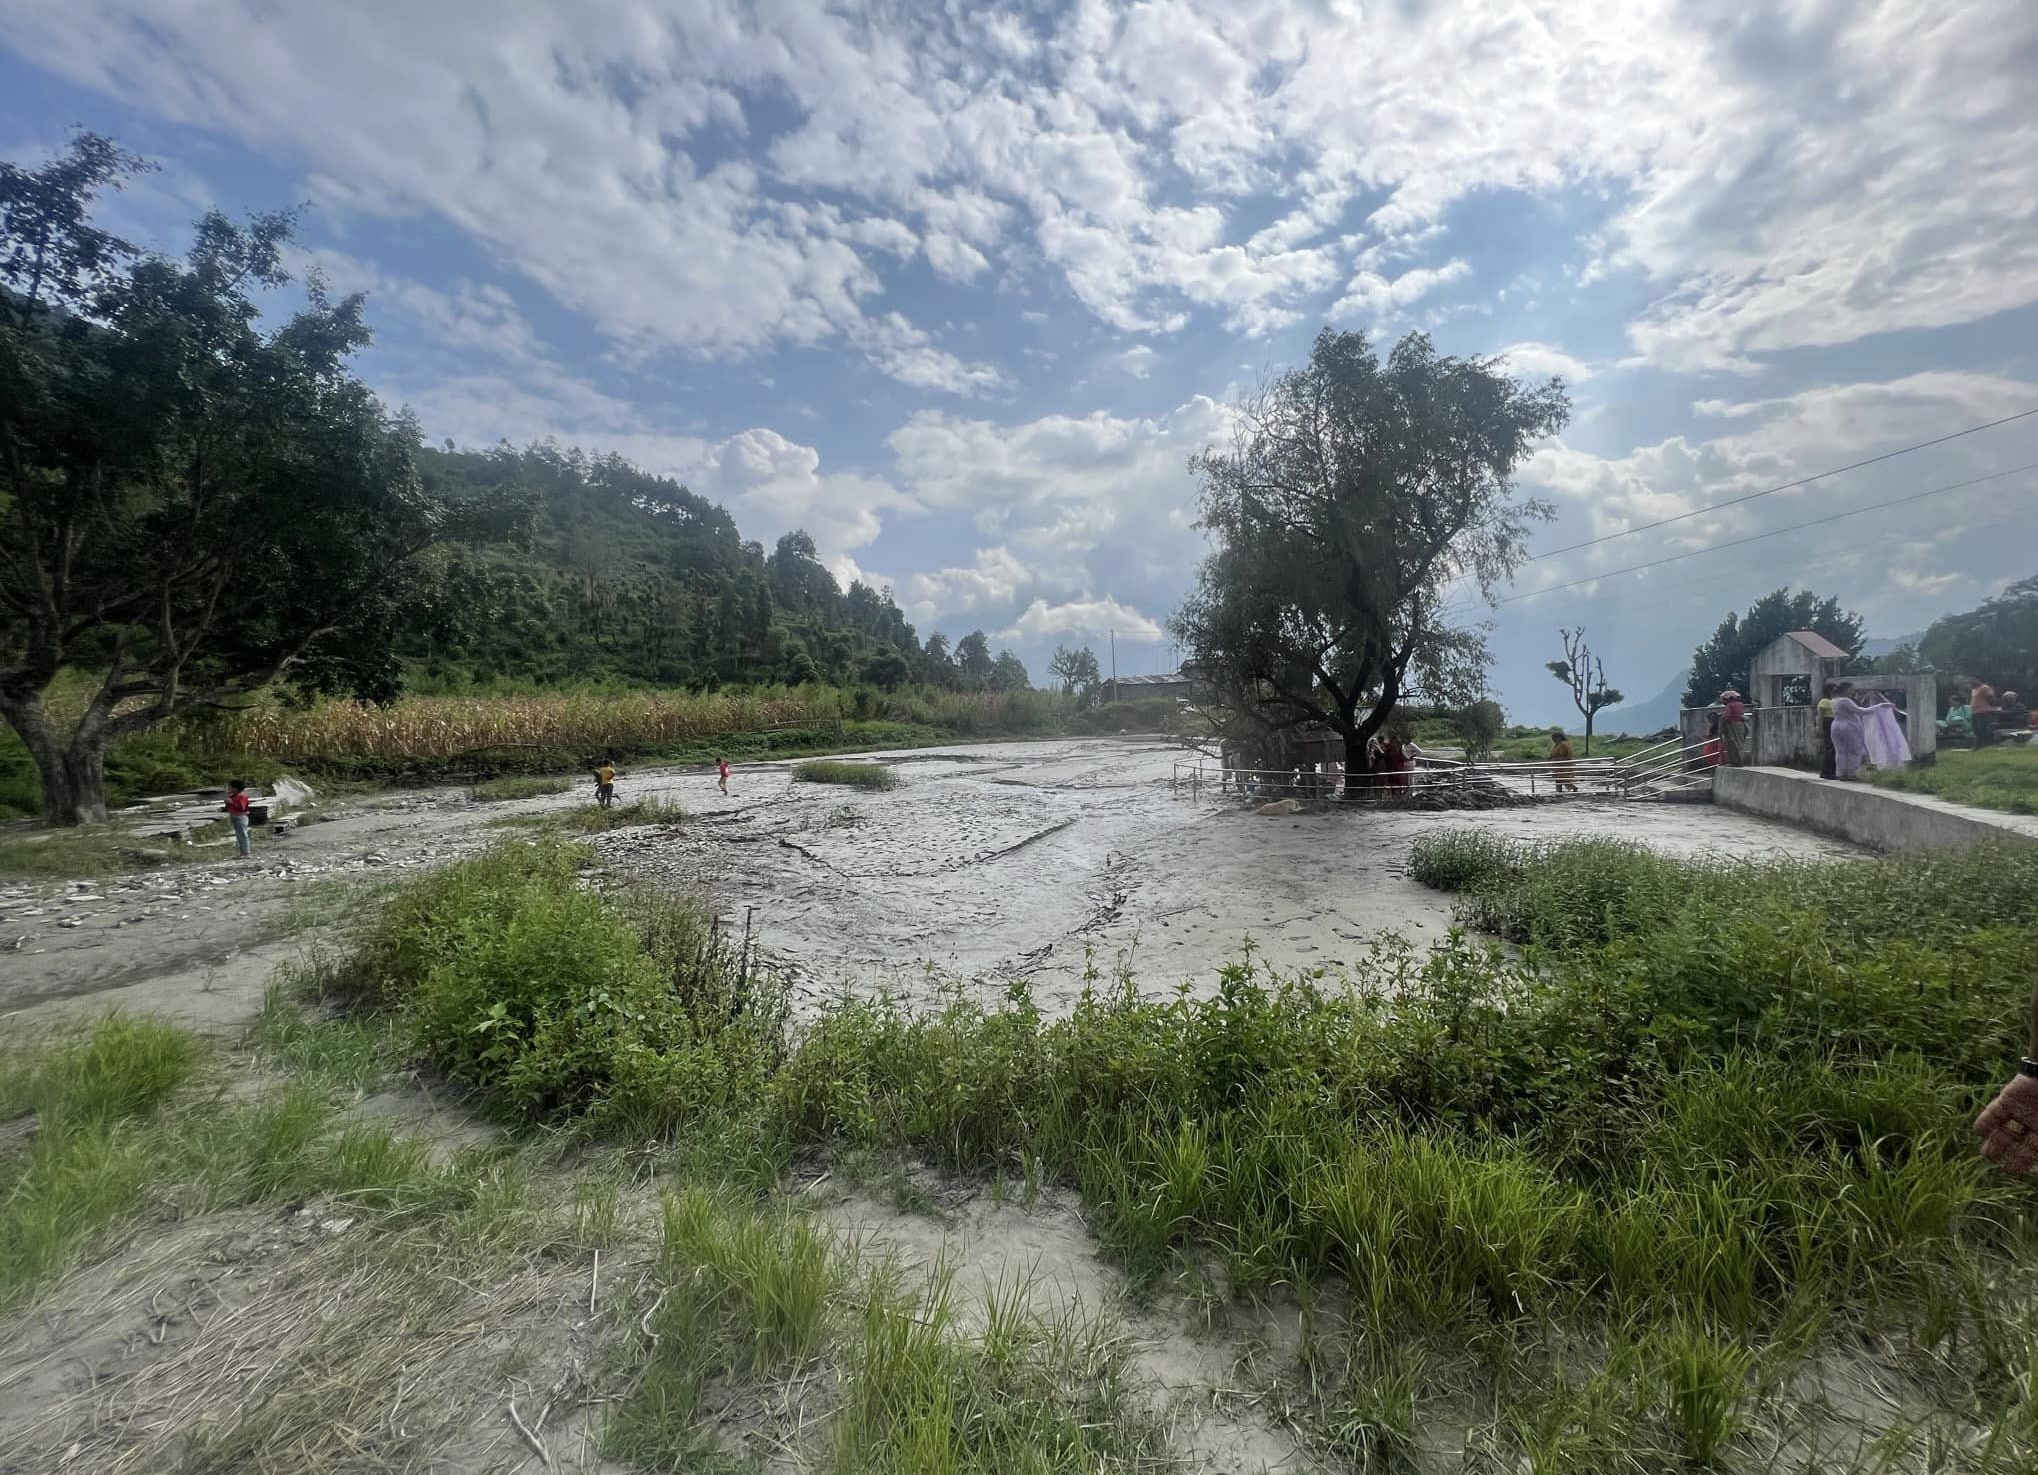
<point>555,1000</point>
<point>839,771</point>
<point>517,786</point>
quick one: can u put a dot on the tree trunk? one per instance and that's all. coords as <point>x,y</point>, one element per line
<point>74,775</point>
<point>1358,775</point>
<point>1588,735</point>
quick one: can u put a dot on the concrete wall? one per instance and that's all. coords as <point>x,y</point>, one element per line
<point>1878,818</point>
<point>1776,735</point>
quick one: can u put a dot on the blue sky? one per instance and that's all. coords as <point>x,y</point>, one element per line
<point>959,289</point>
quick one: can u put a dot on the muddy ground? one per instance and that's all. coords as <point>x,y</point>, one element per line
<point>990,862</point>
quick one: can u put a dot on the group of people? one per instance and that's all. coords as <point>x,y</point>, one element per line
<point>1390,762</point>
<point>1985,716</point>
<point>605,780</point>
<point>1854,734</point>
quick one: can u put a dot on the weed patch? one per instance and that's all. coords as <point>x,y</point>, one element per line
<point>517,786</point>
<point>838,771</point>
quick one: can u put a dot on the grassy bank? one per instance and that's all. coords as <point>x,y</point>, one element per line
<point>1683,1182</point>
<point>2002,778</point>
<point>1623,1195</point>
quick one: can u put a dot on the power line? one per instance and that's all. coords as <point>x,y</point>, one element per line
<point>1804,481</point>
<point>1771,533</point>
<point>1800,564</point>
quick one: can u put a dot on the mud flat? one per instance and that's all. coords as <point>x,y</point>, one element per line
<point>989,863</point>
<point>1044,860</point>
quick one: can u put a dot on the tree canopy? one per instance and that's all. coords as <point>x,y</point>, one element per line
<point>195,504</point>
<point>191,504</point>
<point>1996,642</point>
<point>1722,661</point>
<point>1354,494</point>
<point>1076,671</point>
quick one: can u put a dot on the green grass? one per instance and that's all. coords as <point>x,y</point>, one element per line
<point>122,1115</point>
<point>751,1295</point>
<point>2001,777</point>
<point>517,786</point>
<point>856,775</point>
<point>97,850</point>
<point>1536,747</point>
<point>592,819</point>
<point>1602,1197</point>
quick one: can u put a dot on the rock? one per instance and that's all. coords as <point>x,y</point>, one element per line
<point>72,922</point>
<point>1281,806</point>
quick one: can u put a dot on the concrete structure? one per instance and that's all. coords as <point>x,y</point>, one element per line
<point>1145,688</point>
<point>1790,670</point>
<point>1784,681</point>
<point>1878,818</point>
<point>1776,735</point>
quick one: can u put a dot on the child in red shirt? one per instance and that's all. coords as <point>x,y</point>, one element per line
<point>722,766</point>
<point>237,815</point>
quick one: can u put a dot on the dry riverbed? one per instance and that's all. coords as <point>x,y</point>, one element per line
<point>989,863</point>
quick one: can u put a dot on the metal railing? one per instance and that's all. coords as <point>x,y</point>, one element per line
<point>1669,766</point>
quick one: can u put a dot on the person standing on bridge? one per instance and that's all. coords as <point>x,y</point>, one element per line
<point>1561,755</point>
<point>1733,727</point>
<point>1826,695</point>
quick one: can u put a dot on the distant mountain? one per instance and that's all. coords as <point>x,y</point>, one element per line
<point>1640,718</point>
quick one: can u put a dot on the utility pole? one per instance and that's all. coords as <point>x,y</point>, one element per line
<point>1114,663</point>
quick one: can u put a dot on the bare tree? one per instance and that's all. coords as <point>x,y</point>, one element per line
<point>1584,673</point>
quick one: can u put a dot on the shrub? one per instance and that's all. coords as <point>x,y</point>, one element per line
<point>839,771</point>
<point>556,1000</point>
<point>516,786</point>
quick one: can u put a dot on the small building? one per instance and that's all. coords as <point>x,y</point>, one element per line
<point>1791,670</point>
<point>1784,682</point>
<point>1147,688</point>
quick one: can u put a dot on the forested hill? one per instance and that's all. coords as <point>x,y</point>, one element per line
<point>622,574</point>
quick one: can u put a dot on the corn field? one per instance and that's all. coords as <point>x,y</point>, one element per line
<point>445,726</point>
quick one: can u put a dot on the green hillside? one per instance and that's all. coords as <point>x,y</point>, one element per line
<point>622,575</point>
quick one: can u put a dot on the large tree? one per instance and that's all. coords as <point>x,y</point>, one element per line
<point>1008,673</point>
<point>1722,662</point>
<point>1997,643</point>
<point>1354,496</point>
<point>1077,671</point>
<point>974,661</point>
<point>192,506</point>
<point>1585,674</point>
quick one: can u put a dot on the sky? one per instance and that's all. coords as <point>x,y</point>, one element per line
<point>959,288</point>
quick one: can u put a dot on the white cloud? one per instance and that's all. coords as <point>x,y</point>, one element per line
<point>1033,476</point>
<point>993,583</point>
<point>477,316</point>
<point>1786,177</point>
<point>1545,360</point>
<point>1090,618</point>
<point>1137,361</point>
<point>1371,294</point>
<point>1783,439</point>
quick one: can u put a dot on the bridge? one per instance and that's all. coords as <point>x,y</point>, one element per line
<point>1665,769</point>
